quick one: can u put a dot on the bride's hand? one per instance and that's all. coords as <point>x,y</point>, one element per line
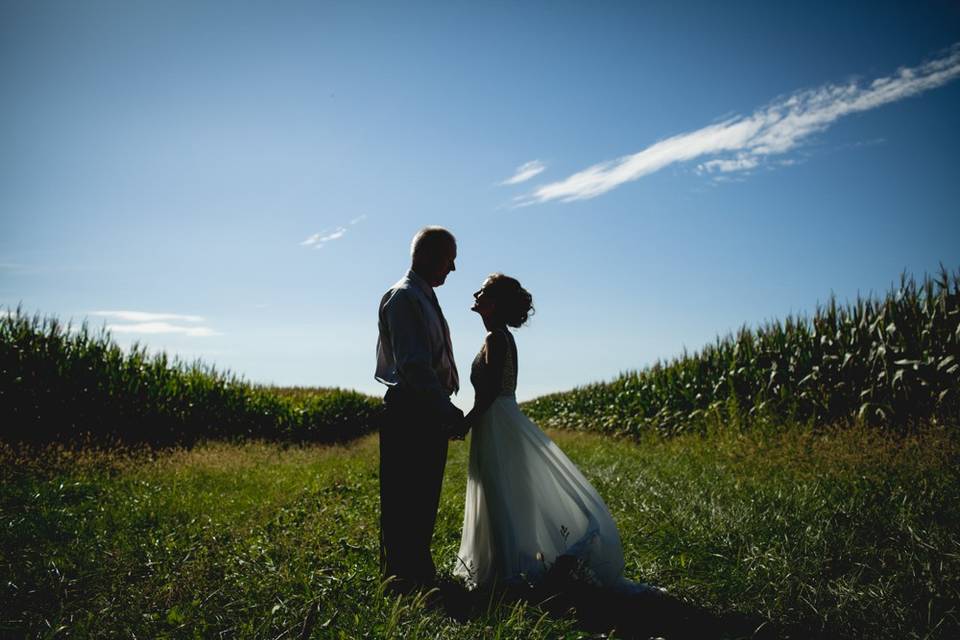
<point>459,431</point>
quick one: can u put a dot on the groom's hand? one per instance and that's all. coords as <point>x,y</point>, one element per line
<point>453,422</point>
<point>464,427</point>
<point>456,429</point>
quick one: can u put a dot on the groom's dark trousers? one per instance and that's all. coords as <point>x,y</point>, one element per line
<point>413,454</point>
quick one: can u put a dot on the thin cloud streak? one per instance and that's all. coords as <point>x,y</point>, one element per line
<point>336,235</point>
<point>742,162</point>
<point>742,143</point>
<point>161,327</point>
<point>525,171</point>
<point>144,316</point>
<point>154,323</point>
<point>318,240</point>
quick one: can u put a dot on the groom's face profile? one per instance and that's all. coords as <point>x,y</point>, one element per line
<point>443,264</point>
<point>434,253</point>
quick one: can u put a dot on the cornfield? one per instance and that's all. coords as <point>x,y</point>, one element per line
<point>72,384</point>
<point>890,362</point>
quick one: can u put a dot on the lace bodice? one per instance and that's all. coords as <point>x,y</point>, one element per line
<point>508,380</point>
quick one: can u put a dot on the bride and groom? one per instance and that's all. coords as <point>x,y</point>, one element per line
<point>527,506</point>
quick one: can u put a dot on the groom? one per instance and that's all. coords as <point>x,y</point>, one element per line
<point>415,361</point>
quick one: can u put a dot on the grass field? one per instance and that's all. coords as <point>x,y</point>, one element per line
<point>843,534</point>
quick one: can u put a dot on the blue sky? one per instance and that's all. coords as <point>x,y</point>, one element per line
<point>239,182</point>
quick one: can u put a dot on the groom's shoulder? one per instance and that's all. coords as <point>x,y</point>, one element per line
<point>402,288</point>
<point>404,284</point>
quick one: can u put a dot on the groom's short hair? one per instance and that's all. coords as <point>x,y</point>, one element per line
<point>429,242</point>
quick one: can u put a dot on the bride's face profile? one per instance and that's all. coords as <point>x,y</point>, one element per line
<point>483,302</point>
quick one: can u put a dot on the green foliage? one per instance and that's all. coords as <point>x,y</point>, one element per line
<point>248,540</point>
<point>890,362</point>
<point>845,534</point>
<point>65,383</point>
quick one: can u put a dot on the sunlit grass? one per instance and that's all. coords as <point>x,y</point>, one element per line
<point>847,533</point>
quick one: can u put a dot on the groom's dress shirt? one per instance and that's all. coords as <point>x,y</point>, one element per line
<point>414,350</point>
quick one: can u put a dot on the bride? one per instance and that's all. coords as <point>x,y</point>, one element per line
<point>527,505</point>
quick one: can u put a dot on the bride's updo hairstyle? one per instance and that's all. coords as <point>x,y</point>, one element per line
<point>514,303</point>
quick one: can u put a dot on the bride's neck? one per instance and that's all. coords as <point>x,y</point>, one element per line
<point>494,324</point>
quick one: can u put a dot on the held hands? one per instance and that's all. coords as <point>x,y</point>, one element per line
<point>459,432</point>
<point>457,426</point>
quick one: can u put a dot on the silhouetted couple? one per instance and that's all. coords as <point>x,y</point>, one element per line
<point>527,505</point>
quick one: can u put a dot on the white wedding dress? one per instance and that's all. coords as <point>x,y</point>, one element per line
<point>527,504</point>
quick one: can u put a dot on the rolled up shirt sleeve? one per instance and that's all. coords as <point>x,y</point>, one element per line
<point>410,347</point>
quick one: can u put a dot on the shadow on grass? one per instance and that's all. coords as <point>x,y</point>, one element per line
<point>641,613</point>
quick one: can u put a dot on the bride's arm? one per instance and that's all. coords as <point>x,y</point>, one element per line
<point>495,352</point>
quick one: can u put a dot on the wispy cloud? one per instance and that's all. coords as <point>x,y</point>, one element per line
<point>742,162</point>
<point>525,171</point>
<point>161,327</point>
<point>742,143</point>
<point>145,322</point>
<point>318,240</point>
<point>145,316</point>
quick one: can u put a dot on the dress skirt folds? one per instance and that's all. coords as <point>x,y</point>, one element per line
<point>527,504</point>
